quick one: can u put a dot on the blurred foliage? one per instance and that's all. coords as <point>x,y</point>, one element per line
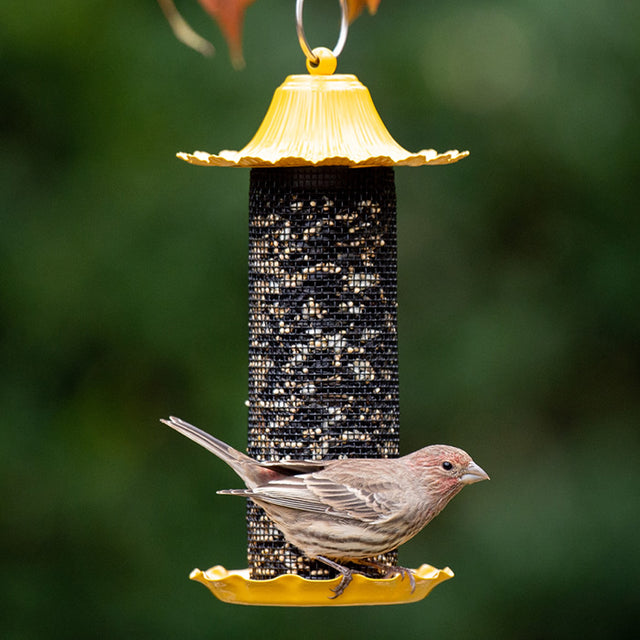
<point>123,299</point>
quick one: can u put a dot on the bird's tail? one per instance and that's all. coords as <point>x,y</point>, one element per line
<point>238,461</point>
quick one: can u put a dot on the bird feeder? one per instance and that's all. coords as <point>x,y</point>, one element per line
<point>323,350</point>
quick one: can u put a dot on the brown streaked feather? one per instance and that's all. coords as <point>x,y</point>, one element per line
<point>350,497</point>
<point>346,497</point>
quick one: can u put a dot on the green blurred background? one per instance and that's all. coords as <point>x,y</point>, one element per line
<point>123,299</point>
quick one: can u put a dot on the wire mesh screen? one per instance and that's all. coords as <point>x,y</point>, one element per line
<point>323,355</point>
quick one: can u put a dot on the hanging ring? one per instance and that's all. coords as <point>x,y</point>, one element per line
<point>304,45</point>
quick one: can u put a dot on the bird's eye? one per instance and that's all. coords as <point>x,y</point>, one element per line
<point>447,466</point>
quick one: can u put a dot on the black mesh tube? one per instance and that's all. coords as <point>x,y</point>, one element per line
<point>323,355</point>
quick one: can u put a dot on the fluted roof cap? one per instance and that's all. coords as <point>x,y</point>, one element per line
<point>320,120</point>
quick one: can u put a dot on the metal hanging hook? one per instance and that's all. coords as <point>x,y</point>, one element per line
<point>342,38</point>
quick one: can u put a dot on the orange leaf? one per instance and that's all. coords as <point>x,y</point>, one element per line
<point>229,14</point>
<point>356,7</point>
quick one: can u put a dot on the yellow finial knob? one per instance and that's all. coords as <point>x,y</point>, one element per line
<point>324,64</point>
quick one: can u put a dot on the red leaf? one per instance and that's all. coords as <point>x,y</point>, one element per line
<point>229,14</point>
<point>356,7</point>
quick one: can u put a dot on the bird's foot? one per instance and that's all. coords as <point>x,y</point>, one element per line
<point>391,570</point>
<point>404,572</point>
<point>345,572</point>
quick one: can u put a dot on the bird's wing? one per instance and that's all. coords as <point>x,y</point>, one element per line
<point>347,497</point>
<point>353,497</point>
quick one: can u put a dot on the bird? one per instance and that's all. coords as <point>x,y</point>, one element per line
<point>348,510</point>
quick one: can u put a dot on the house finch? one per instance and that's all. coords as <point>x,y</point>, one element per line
<point>348,510</point>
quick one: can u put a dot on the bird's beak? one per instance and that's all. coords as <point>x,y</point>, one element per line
<point>473,473</point>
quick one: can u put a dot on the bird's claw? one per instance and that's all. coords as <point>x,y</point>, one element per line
<point>404,572</point>
<point>391,571</point>
<point>345,572</point>
<point>342,585</point>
